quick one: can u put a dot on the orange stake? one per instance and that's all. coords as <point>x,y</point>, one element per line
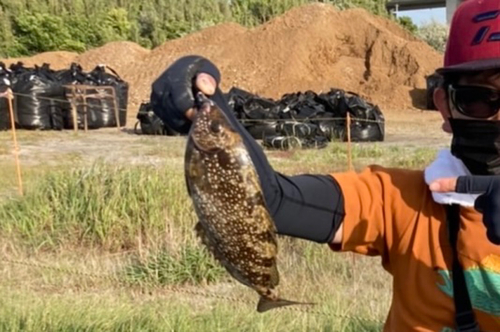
<point>9,97</point>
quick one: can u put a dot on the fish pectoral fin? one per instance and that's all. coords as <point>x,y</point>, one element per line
<point>266,304</point>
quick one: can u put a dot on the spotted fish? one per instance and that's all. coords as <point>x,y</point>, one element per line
<point>234,222</point>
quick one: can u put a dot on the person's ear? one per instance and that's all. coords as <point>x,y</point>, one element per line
<point>441,102</point>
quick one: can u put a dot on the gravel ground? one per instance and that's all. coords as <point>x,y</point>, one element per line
<point>415,128</point>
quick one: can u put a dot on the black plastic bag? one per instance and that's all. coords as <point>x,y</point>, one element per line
<point>301,106</point>
<point>17,69</point>
<point>99,105</point>
<point>307,119</point>
<point>367,121</point>
<point>331,100</point>
<point>258,115</point>
<point>236,98</point>
<point>150,123</point>
<point>260,130</point>
<point>332,129</point>
<point>297,129</point>
<point>39,99</point>
<point>102,78</point>
<point>73,75</point>
<point>286,143</point>
<point>5,83</point>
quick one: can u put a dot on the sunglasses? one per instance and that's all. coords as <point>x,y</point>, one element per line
<point>475,101</point>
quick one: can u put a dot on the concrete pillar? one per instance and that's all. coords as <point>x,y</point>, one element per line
<point>451,6</point>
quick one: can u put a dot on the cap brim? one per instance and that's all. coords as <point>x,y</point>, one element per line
<point>471,66</point>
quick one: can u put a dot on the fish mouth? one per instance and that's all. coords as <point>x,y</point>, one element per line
<point>203,102</point>
<point>205,108</point>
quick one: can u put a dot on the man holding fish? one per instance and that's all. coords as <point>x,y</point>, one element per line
<point>437,230</point>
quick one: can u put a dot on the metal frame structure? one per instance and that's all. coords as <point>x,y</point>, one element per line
<point>79,92</point>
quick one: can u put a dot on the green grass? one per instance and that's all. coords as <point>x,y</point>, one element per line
<point>191,264</point>
<point>113,240</point>
<point>103,206</point>
<point>30,312</point>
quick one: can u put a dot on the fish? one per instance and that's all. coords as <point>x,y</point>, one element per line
<point>234,223</point>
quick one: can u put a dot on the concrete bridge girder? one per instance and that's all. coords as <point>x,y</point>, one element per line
<point>402,5</point>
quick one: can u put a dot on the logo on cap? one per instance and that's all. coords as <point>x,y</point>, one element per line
<point>481,33</point>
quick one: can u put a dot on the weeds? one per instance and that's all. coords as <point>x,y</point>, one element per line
<point>105,206</point>
<point>77,216</point>
<point>192,265</point>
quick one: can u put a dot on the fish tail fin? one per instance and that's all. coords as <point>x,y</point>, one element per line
<point>266,304</point>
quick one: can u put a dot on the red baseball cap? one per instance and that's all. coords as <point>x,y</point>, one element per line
<point>474,38</point>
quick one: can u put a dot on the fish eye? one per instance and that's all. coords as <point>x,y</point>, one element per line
<point>215,126</point>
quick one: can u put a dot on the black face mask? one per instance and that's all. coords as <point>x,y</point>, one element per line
<point>477,144</point>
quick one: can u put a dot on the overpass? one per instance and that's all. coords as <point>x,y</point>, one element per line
<point>401,5</point>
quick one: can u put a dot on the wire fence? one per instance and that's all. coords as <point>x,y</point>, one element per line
<point>267,120</point>
<point>78,99</point>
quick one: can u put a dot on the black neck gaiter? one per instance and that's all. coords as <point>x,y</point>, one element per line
<point>477,144</point>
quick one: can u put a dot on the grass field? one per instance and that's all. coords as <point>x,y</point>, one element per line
<point>103,240</point>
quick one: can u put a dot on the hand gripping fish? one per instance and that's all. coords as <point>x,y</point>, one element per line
<point>234,222</point>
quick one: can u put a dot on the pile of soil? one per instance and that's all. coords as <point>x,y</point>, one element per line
<point>57,60</point>
<point>116,55</point>
<point>311,47</point>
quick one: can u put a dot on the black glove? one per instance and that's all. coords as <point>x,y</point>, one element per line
<point>488,203</point>
<point>172,93</point>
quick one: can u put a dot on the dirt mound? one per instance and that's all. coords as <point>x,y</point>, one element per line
<point>209,42</point>
<point>214,35</point>
<point>57,60</point>
<point>117,55</point>
<point>317,47</point>
<point>311,47</point>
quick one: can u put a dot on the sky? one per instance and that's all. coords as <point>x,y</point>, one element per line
<point>424,15</point>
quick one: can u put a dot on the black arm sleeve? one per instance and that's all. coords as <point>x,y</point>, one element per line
<point>306,206</point>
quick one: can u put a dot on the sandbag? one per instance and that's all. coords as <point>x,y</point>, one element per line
<point>311,118</point>
<point>258,115</point>
<point>73,75</point>
<point>17,69</point>
<point>236,98</point>
<point>298,129</point>
<point>39,99</point>
<point>332,123</point>
<point>285,143</point>
<point>98,107</point>
<point>150,123</point>
<point>5,83</point>
<point>367,121</point>
<point>102,78</point>
<point>301,106</point>
<point>99,104</point>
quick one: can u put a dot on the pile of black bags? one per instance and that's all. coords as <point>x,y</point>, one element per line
<point>5,83</point>
<point>307,119</point>
<point>41,98</point>
<point>297,120</point>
